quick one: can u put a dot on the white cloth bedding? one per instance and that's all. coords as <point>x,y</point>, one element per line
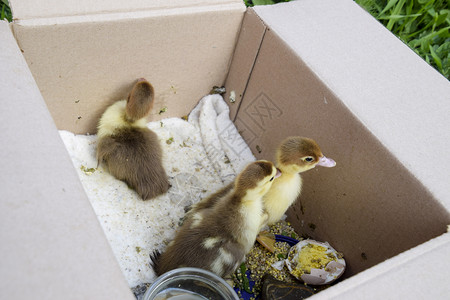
<point>200,156</point>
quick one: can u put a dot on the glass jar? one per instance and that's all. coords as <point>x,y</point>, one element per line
<point>190,284</point>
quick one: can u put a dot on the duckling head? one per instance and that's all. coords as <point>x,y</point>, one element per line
<point>257,178</point>
<point>140,100</point>
<point>299,154</point>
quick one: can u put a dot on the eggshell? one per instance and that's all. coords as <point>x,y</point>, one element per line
<point>330,273</point>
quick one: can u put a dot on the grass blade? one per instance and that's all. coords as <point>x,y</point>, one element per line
<point>436,58</point>
<point>396,17</point>
<point>263,2</point>
<point>396,11</point>
<point>390,4</point>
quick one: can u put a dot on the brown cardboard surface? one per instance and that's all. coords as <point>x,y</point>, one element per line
<point>370,206</point>
<point>250,38</point>
<point>390,89</point>
<point>28,9</point>
<point>82,67</point>
<point>51,244</point>
<point>419,273</point>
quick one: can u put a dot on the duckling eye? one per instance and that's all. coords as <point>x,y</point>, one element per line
<point>309,159</point>
<point>271,179</point>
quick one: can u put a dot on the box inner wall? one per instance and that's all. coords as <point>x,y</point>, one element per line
<point>369,206</point>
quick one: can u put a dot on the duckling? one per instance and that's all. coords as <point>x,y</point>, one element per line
<point>129,149</point>
<point>218,236</point>
<point>209,201</point>
<point>294,155</point>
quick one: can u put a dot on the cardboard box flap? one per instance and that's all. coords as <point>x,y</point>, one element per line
<point>51,243</point>
<point>27,9</point>
<point>244,57</point>
<point>392,100</point>
<point>372,205</point>
<point>419,273</point>
<point>85,63</point>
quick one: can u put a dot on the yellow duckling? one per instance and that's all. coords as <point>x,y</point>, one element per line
<point>294,156</point>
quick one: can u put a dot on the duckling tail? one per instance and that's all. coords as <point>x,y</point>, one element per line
<point>154,257</point>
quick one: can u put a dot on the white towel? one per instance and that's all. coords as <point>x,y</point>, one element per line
<point>200,156</point>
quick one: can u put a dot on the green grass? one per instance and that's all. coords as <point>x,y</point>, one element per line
<point>424,25</point>
<point>263,2</point>
<point>5,12</point>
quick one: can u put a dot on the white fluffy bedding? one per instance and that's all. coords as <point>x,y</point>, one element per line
<point>200,156</point>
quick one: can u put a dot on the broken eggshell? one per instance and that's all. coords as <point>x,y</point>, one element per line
<point>332,271</point>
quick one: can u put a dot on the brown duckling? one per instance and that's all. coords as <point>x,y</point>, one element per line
<point>129,149</point>
<point>217,236</point>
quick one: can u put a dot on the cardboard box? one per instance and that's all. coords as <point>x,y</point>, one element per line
<point>80,53</point>
<point>82,57</point>
<point>51,243</point>
<point>329,71</point>
<point>320,69</point>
